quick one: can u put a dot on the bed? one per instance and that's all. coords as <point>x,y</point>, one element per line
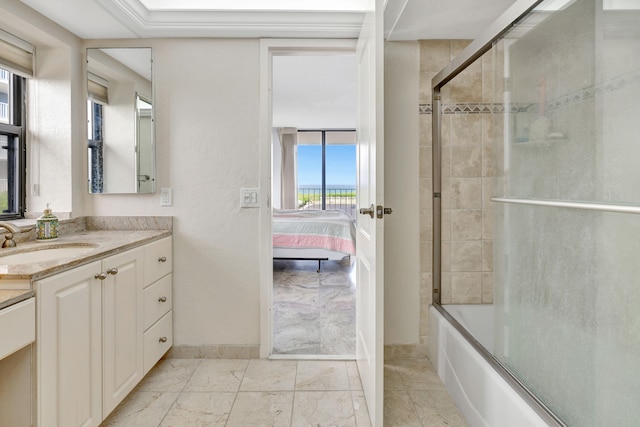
<point>313,235</point>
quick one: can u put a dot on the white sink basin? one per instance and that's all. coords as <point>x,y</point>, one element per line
<point>45,254</point>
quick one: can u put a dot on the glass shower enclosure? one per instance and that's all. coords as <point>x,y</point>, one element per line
<point>536,184</point>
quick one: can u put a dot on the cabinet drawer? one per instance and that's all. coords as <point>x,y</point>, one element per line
<point>157,340</point>
<point>17,326</point>
<point>158,260</point>
<point>157,300</point>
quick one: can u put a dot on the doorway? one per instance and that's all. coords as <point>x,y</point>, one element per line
<point>311,313</point>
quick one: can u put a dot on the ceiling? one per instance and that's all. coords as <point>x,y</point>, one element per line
<point>404,19</point>
<point>309,92</point>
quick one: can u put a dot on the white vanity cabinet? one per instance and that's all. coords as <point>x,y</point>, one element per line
<point>158,302</point>
<point>91,342</point>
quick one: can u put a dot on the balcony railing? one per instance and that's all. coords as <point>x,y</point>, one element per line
<point>4,112</point>
<point>4,76</point>
<point>343,199</point>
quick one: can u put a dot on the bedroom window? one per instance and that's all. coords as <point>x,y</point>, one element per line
<point>12,145</point>
<point>326,165</point>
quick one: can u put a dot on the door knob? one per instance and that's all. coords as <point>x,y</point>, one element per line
<point>100,276</point>
<point>371,210</point>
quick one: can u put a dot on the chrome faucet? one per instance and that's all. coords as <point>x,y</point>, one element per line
<point>8,236</point>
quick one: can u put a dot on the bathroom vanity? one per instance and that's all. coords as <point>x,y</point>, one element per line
<point>101,315</point>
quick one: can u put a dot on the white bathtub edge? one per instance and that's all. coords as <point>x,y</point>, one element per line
<point>483,396</point>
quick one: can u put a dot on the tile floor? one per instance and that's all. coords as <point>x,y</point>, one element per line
<point>314,313</point>
<point>259,392</point>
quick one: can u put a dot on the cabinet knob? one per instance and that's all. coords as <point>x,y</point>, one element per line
<point>100,276</point>
<point>162,259</point>
<point>112,271</point>
<point>162,299</point>
<point>163,339</point>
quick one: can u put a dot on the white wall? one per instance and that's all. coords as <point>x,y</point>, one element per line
<point>207,113</point>
<point>401,228</point>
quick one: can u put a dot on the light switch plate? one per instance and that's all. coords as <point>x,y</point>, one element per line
<point>250,197</point>
<point>166,197</point>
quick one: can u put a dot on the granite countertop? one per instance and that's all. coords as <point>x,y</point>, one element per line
<point>10,297</point>
<point>98,243</point>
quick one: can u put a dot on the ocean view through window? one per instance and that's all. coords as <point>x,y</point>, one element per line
<point>326,171</point>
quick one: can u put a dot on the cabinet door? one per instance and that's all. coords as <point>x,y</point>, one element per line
<point>69,349</point>
<point>122,316</point>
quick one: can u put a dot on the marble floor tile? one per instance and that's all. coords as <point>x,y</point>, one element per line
<point>436,409</point>
<point>418,374</point>
<point>141,409</point>
<point>262,409</point>
<point>322,375</point>
<point>313,313</point>
<point>360,409</point>
<point>354,375</point>
<point>269,375</point>
<point>169,375</point>
<point>399,410</point>
<point>199,409</point>
<point>217,375</point>
<point>323,408</point>
<point>283,393</point>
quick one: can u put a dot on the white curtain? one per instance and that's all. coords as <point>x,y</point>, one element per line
<point>289,191</point>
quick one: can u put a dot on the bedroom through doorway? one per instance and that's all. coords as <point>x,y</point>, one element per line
<point>314,205</point>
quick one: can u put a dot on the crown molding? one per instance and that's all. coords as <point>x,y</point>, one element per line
<point>232,23</point>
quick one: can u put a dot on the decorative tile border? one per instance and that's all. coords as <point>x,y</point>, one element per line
<point>583,94</point>
<point>466,108</point>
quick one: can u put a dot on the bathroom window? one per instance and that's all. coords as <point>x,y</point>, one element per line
<point>12,145</point>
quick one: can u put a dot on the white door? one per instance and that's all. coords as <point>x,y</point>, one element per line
<point>370,191</point>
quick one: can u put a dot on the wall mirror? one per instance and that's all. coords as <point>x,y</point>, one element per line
<point>120,131</point>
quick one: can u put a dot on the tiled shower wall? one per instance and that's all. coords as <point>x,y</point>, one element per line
<point>467,168</point>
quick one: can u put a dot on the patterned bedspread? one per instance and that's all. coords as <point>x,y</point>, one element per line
<point>310,229</point>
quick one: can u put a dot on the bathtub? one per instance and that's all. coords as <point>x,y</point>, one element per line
<point>483,395</point>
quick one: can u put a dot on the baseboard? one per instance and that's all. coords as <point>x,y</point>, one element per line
<point>220,351</point>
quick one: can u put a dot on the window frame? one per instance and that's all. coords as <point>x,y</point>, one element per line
<point>17,128</point>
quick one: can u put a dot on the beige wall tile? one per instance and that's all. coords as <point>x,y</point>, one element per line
<point>425,130</point>
<point>487,223</point>
<point>446,256</point>
<point>434,54</point>
<point>426,225</point>
<point>446,224</point>
<point>466,288</point>
<point>465,193</point>
<point>466,161</point>
<point>487,288</point>
<point>467,86</point>
<point>445,169</point>
<point>487,255</point>
<point>488,165</point>
<point>425,162</point>
<point>426,256</point>
<point>466,256</point>
<point>426,193</point>
<point>465,129</point>
<point>446,288</point>
<point>488,191</point>
<point>458,46</point>
<point>466,224</point>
